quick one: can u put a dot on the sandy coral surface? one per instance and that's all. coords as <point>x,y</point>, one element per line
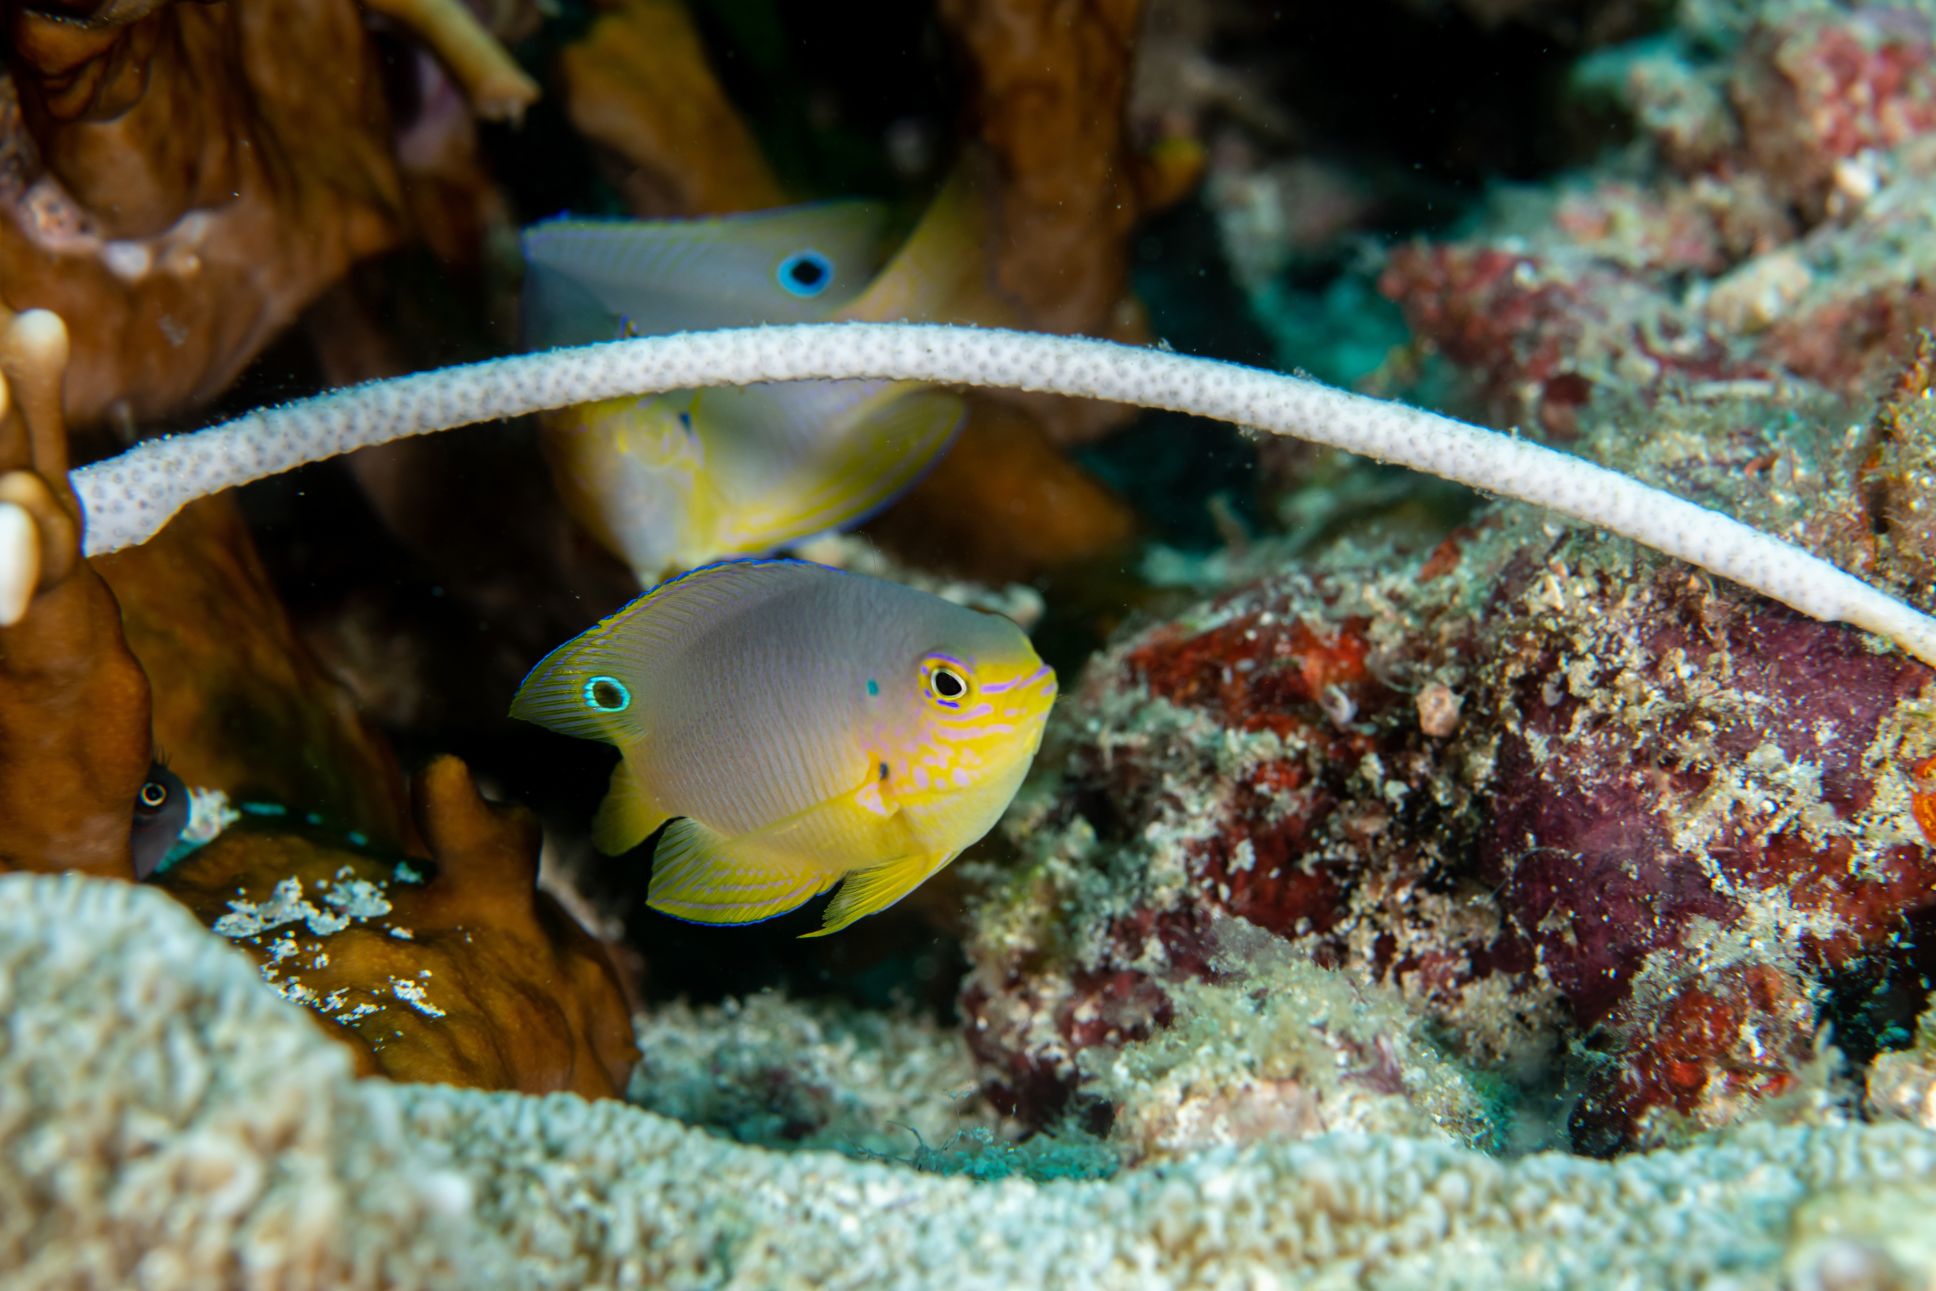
<point>186,1074</point>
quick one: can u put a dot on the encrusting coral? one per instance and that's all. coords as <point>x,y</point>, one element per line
<point>1274,1046</point>
<point>1545,788</point>
<point>1771,222</point>
<point>178,1125</point>
<point>800,1074</point>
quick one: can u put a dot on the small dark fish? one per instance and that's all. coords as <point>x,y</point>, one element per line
<point>160,816</point>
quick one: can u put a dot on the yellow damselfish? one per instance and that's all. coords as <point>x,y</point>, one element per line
<point>675,480</point>
<point>800,727</point>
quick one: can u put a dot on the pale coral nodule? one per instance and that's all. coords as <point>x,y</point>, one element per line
<point>19,562</point>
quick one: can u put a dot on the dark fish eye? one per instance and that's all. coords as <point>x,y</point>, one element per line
<point>160,815</point>
<point>806,273</point>
<point>947,683</point>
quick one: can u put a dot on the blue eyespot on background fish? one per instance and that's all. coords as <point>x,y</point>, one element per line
<point>597,280</point>
<point>800,727</point>
<point>679,479</point>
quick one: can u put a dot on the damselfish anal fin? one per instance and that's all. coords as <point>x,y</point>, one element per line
<point>698,875</point>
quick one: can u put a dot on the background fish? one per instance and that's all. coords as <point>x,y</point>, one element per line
<point>676,480</point>
<point>800,727</point>
<point>160,815</point>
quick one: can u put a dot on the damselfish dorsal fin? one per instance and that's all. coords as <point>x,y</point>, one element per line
<point>597,280</point>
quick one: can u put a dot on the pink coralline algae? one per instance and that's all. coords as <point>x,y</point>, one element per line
<point>1609,827</point>
<point>1815,92</point>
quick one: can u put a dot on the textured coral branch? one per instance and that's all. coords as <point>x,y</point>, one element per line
<point>497,87</point>
<point>130,497</point>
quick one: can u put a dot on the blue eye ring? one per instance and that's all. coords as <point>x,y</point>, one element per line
<point>805,274</point>
<point>607,695</point>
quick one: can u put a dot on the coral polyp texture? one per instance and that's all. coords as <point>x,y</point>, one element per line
<point>176,1124</point>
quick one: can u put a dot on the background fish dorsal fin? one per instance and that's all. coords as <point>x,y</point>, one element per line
<point>564,691</point>
<point>596,280</point>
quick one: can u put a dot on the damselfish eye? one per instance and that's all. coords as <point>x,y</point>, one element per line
<point>806,273</point>
<point>154,795</point>
<point>946,683</point>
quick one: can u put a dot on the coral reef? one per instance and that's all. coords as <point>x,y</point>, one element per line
<point>1416,889</point>
<point>784,1073</point>
<point>183,1074</point>
<point>184,178</point>
<point>1537,785</point>
<point>1276,1047</point>
<point>1902,1083</point>
<point>74,739</point>
<point>523,997</point>
<point>1774,224</point>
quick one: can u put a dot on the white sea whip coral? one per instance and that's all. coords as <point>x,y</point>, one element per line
<point>129,498</point>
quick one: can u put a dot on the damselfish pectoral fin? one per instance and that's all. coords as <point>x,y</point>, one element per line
<point>877,887</point>
<point>704,876</point>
